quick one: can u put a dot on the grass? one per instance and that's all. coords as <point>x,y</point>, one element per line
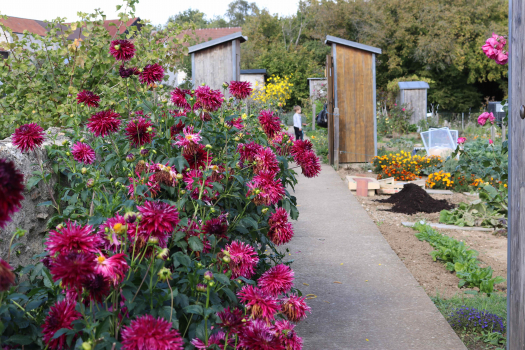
<point>495,304</point>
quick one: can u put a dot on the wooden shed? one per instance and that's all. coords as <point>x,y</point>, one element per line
<point>414,95</point>
<point>254,76</point>
<point>351,74</point>
<point>217,61</point>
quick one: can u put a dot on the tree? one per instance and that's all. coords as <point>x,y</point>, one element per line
<point>188,17</point>
<point>239,10</point>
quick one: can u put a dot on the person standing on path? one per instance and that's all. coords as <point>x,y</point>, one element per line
<point>297,125</point>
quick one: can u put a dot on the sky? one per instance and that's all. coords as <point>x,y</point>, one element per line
<point>158,11</point>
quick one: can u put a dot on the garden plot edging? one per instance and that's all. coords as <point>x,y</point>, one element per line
<point>451,227</point>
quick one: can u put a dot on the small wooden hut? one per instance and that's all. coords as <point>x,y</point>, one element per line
<point>217,61</point>
<point>254,76</point>
<point>351,74</point>
<point>414,95</point>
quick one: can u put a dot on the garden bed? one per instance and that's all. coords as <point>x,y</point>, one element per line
<point>431,275</point>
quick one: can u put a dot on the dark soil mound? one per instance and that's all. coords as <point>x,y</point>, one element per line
<point>413,199</point>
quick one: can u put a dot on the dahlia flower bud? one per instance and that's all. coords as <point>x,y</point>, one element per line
<point>144,152</point>
<point>208,275</point>
<point>163,254</point>
<point>59,227</point>
<point>226,259</point>
<point>182,192</point>
<point>130,157</point>
<point>86,345</point>
<point>90,183</point>
<point>117,183</point>
<point>68,154</point>
<point>201,287</point>
<point>130,217</point>
<point>264,211</point>
<point>150,129</point>
<point>237,138</point>
<point>179,176</point>
<point>82,139</point>
<point>64,142</point>
<point>225,85</point>
<point>111,179</point>
<point>164,274</point>
<point>153,240</point>
<point>83,170</point>
<point>208,146</point>
<point>117,47</point>
<point>211,284</point>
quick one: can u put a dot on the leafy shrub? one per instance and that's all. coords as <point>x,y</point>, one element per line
<point>458,258</point>
<point>396,120</point>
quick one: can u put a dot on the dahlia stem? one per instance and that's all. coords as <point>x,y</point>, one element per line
<point>141,283</point>
<point>226,340</point>
<point>24,310</point>
<point>171,296</point>
<point>206,317</point>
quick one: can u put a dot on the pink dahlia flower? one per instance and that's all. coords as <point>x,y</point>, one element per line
<point>151,73</point>
<point>71,238</point>
<point>236,123</point>
<point>310,164</point>
<point>300,147</point>
<point>282,143</point>
<point>209,99</point>
<point>216,227</point>
<point>147,332</point>
<point>277,280</point>
<point>248,151</point>
<point>294,308</point>
<point>88,98</point>
<point>231,319</point>
<point>98,287</point>
<point>491,142</point>
<point>270,123</point>
<point>122,50</point>
<point>178,97</point>
<point>113,268</point>
<point>190,138</point>
<point>7,277</point>
<point>258,304</point>
<point>138,133</point>
<point>266,160</point>
<point>197,157</point>
<point>259,335</point>
<point>266,189</point>
<point>159,219</point>
<point>83,153</point>
<point>176,129</point>
<point>461,140</point>
<point>502,57</point>
<point>243,261</point>
<point>115,231</point>
<point>215,339</point>
<point>11,190</point>
<point>490,51</point>
<point>492,119</point>
<point>127,72</point>
<point>281,231</point>
<point>288,337</point>
<point>104,123</point>
<point>61,315</point>
<point>240,89</point>
<point>73,268</point>
<point>28,137</point>
<point>194,181</point>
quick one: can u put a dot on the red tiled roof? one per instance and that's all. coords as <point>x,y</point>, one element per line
<point>202,35</point>
<point>18,25</point>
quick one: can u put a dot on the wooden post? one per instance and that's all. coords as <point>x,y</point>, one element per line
<point>516,228</point>
<point>462,121</point>
<point>503,132</point>
<point>336,138</point>
<point>492,132</point>
<point>313,116</point>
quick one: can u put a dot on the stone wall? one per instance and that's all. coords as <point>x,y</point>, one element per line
<point>30,217</point>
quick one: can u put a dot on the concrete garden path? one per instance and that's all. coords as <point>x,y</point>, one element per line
<point>366,297</point>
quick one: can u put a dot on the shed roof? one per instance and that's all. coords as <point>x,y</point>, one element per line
<point>315,78</point>
<point>412,85</point>
<point>335,40</point>
<point>253,71</point>
<point>217,41</point>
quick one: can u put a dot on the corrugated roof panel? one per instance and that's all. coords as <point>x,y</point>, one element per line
<point>217,41</point>
<point>413,85</point>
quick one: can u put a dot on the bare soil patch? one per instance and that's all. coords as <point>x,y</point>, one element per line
<point>433,276</point>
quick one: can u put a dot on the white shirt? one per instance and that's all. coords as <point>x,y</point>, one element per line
<point>297,121</point>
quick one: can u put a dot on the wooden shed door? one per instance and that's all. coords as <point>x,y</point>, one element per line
<point>330,107</point>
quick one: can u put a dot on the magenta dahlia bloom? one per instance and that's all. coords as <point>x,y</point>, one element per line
<point>277,280</point>
<point>265,188</point>
<point>103,123</point>
<point>209,99</point>
<point>461,140</point>
<point>176,129</point>
<point>197,157</point>
<point>61,315</point>
<point>300,147</point>
<point>258,304</point>
<point>11,190</point>
<point>294,308</point>
<point>73,268</point>
<point>151,73</point>
<point>248,151</point>
<point>240,89</point>
<point>71,238</point>
<point>236,123</point>
<point>83,153</point>
<point>159,219</point>
<point>88,98</point>
<point>270,123</point>
<point>231,319</point>
<point>259,335</point>
<point>7,277</point>
<point>214,339</point>
<point>113,268</point>
<point>310,164</point>
<point>147,332</point>
<point>115,231</point>
<point>122,50</point>
<point>502,57</point>
<point>28,137</point>
<point>281,231</point>
<point>178,97</point>
<point>194,181</point>
<point>216,227</point>
<point>98,287</point>
<point>288,337</point>
<point>282,143</point>
<point>137,131</point>
<point>266,160</point>
<point>127,72</point>
<point>190,138</point>
<point>243,261</point>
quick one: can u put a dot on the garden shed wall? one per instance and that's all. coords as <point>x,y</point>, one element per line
<point>414,95</point>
